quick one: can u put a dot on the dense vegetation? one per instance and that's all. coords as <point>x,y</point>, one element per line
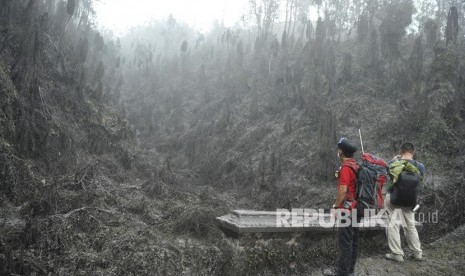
<point>116,154</point>
<point>258,110</point>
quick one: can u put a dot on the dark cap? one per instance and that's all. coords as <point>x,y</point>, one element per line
<point>347,148</point>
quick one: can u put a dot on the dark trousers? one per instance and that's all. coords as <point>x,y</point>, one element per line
<point>347,242</point>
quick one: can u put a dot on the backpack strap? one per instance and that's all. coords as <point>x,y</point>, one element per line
<point>417,165</point>
<point>354,166</point>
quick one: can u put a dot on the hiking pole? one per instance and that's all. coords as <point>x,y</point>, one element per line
<point>361,141</point>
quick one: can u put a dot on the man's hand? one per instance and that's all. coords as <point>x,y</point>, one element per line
<point>341,195</point>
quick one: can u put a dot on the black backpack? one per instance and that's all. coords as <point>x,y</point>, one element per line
<point>405,191</point>
<point>370,178</point>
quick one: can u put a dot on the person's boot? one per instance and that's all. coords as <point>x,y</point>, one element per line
<point>329,272</point>
<point>395,257</point>
<point>418,256</point>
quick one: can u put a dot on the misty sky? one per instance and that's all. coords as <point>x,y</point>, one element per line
<point>120,15</point>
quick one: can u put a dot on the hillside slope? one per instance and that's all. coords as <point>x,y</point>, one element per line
<point>114,162</point>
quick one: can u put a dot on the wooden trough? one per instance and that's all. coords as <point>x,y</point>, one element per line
<point>285,224</point>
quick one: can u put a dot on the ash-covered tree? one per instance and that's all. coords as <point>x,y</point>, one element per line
<point>99,42</point>
<point>320,31</point>
<point>431,31</point>
<point>338,16</point>
<point>325,147</point>
<point>28,14</point>
<point>264,13</point>
<point>363,28</point>
<point>318,51</point>
<point>318,4</point>
<point>7,8</point>
<point>290,6</point>
<point>262,171</point>
<point>99,73</point>
<point>373,54</point>
<point>284,41</point>
<point>226,117</point>
<point>117,93</point>
<point>288,124</point>
<point>452,27</point>
<point>60,19</point>
<point>29,56</point>
<point>71,7</point>
<point>184,53</point>
<point>184,46</point>
<point>82,50</point>
<point>346,71</point>
<point>99,91</point>
<point>397,17</point>
<point>330,64</point>
<point>143,57</point>
<point>240,53</point>
<point>416,61</point>
<point>296,13</point>
<point>253,110</point>
<point>118,62</point>
<point>309,30</point>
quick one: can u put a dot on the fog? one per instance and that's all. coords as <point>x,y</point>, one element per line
<point>119,16</point>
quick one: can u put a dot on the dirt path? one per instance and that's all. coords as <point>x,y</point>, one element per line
<point>443,257</point>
